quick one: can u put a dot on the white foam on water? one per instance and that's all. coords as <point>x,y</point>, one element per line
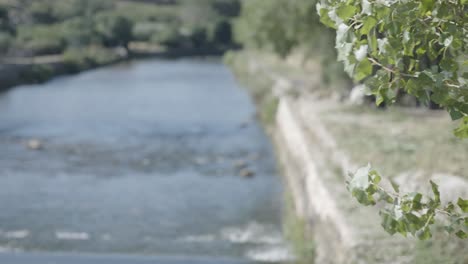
<point>252,233</point>
<point>198,239</point>
<point>271,254</point>
<point>8,249</point>
<point>16,234</point>
<point>61,235</point>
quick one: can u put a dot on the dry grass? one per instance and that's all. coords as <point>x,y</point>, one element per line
<point>398,139</point>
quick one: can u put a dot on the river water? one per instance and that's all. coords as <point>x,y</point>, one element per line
<point>138,159</point>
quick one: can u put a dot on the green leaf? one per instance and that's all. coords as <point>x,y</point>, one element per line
<point>411,87</point>
<point>368,24</point>
<point>450,208</point>
<point>424,234</point>
<point>388,223</point>
<point>449,65</point>
<point>346,11</point>
<point>395,186</point>
<point>461,234</point>
<point>363,197</point>
<point>416,201</point>
<point>363,69</point>
<point>462,130</point>
<point>361,178</point>
<point>379,99</point>
<point>375,177</point>
<point>325,18</point>
<point>463,204</point>
<point>427,5</point>
<point>455,114</point>
<point>435,190</point>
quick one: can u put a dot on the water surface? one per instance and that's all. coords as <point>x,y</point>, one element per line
<point>139,158</point>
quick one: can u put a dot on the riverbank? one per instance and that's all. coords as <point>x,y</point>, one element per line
<point>319,139</point>
<point>33,70</point>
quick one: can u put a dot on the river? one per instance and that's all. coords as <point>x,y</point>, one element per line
<point>138,160</point>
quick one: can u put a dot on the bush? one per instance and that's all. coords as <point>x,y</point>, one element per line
<point>5,22</point>
<point>79,32</point>
<point>170,37</point>
<point>115,30</point>
<point>52,11</point>
<point>41,12</point>
<point>228,8</point>
<point>223,33</point>
<point>199,37</point>
<point>78,59</point>
<point>143,31</point>
<point>41,40</point>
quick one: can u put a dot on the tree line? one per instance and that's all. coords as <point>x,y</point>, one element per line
<point>42,27</point>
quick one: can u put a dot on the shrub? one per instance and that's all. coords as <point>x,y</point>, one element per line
<point>79,32</point>
<point>170,37</point>
<point>65,9</point>
<point>199,37</point>
<point>228,8</point>
<point>223,33</point>
<point>78,59</point>
<point>114,29</point>
<point>143,31</point>
<point>41,12</point>
<point>41,40</point>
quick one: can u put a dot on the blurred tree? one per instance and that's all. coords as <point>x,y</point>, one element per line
<point>223,33</point>
<point>6,24</point>
<point>227,8</point>
<point>66,9</point>
<point>79,32</point>
<point>41,12</point>
<point>115,30</point>
<point>199,37</point>
<point>5,42</point>
<point>40,40</point>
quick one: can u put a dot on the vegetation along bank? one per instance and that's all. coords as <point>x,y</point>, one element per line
<point>43,38</point>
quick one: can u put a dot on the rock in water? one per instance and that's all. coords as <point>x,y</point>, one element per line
<point>246,173</point>
<point>34,144</point>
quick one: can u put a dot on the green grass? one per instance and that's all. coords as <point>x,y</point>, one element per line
<point>268,110</point>
<point>297,234</point>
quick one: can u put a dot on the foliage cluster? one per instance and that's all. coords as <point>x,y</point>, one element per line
<point>78,59</point>
<point>43,27</point>
<point>409,213</point>
<point>417,47</point>
<point>394,46</point>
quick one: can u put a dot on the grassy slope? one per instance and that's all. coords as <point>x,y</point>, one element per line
<point>400,139</point>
